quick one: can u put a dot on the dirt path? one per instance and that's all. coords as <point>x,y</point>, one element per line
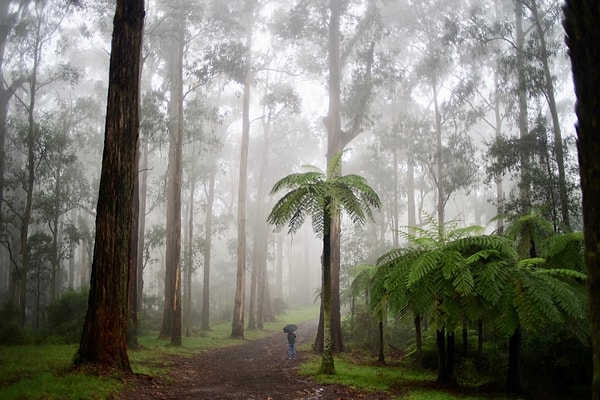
<point>255,370</point>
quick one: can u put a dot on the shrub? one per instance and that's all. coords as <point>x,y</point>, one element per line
<point>10,330</point>
<point>279,306</point>
<point>66,315</point>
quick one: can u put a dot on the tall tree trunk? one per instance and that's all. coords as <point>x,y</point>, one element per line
<point>132,334</point>
<point>334,146</point>
<point>237,324</point>
<point>582,18</point>
<point>72,254</point>
<point>558,142</point>
<point>441,203</point>
<point>253,279</point>
<point>524,184</point>
<point>6,94</point>
<point>189,261</point>
<point>498,178</point>
<point>171,326</point>
<point>207,254</point>
<point>30,179</point>
<point>104,339</point>
<point>141,232</point>
<point>260,248</point>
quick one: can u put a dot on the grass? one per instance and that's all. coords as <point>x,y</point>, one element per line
<point>360,373</point>
<point>44,371</point>
<point>38,372</point>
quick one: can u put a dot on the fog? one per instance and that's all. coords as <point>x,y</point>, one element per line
<point>432,110</point>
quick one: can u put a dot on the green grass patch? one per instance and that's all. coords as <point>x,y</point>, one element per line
<point>39,372</point>
<point>365,374</point>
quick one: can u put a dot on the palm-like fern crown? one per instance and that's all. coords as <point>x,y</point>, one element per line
<point>321,197</point>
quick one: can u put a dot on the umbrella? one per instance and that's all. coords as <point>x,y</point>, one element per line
<point>289,328</point>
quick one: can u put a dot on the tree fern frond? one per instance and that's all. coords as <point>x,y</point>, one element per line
<point>423,265</point>
<point>463,282</point>
<point>531,262</point>
<point>535,303</point>
<point>564,251</point>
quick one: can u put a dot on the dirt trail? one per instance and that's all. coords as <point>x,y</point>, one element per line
<point>255,370</point>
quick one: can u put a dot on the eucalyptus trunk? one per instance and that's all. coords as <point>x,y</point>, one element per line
<point>237,323</point>
<point>525,182</point>
<point>582,18</point>
<point>171,324</point>
<point>104,339</point>
<point>207,253</point>
<point>550,97</point>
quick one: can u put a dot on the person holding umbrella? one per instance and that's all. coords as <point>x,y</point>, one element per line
<point>291,338</point>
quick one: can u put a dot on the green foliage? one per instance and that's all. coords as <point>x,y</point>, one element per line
<point>558,365</point>
<point>448,274</point>
<point>361,328</point>
<point>10,331</point>
<point>67,314</point>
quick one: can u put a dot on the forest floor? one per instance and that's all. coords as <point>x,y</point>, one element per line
<point>255,370</point>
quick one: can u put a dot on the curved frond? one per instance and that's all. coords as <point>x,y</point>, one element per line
<point>564,251</point>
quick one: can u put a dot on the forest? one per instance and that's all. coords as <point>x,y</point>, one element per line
<point>432,204</point>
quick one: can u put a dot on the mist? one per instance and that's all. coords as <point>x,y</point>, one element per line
<point>457,114</point>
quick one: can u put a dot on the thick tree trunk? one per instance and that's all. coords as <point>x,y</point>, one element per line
<point>104,339</point>
<point>132,334</point>
<point>582,18</point>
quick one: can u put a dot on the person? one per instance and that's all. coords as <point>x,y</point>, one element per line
<point>291,337</point>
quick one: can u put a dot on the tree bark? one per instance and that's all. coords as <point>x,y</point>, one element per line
<point>524,184</point>
<point>582,18</point>
<point>132,334</point>
<point>327,363</point>
<point>189,261</point>
<point>104,339</point>
<point>237,324</point>
<point>207,254</point>
<point>171,326</point>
